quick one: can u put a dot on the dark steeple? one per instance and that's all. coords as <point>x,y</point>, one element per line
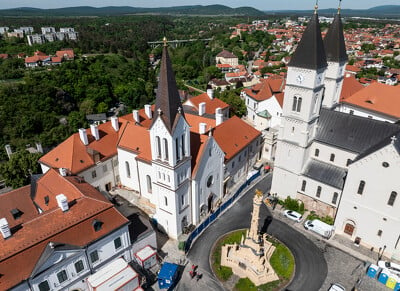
<point>310,53</point>
<point>335,47</point>
<point>168,102</point>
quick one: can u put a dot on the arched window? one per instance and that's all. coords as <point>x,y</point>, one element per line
<point>128,170</point>
<point>183,145</point>
<point>149,187</point>
<point>316,153</point>
<point>361,187</point>
<point>158,145</point>
<point>332,159</point>
<point>299,100</point>
<point>392,198</point>
<point>303,185</point>
<point>294,105</point>
<point>166,149</point>
<point>335,197</point>
<point>177,149</point>
<point>319,191</point>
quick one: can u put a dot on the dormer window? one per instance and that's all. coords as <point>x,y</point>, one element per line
<point>16,213</point>
<point>46,200</point>
<point>97,224</point>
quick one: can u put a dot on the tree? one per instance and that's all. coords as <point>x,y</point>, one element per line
<point>18,170</point>
<point>237,105</point>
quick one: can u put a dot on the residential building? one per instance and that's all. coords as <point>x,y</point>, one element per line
<point>226,57</point>
<point>4,29</point>
<point>56,232</point>
<point>183,159</point>
<point>35,38</point>
<point>324,157</point>
<point>46,30</point>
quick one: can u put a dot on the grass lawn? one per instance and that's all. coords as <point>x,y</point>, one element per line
<point>282,261</point>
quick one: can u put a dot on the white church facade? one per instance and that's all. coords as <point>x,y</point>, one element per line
<point>324,156</point>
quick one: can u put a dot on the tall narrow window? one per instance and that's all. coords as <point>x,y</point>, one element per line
<point>294,105</point>
<point>299,100</point>
<point>335,197</point>
<point>158,141</point>
<point>44,286</point>
<point>361,187</point>
<point>148,180</point>
<point>183,146</point>
<point>348,162</point>
<point>319,191</point>
<point>392,198</point>
<point>166,200</point>
<point>166,149</point>
<point>316,153</point>
<point>303,185</point>
<point>128,170</point>
<point>177,149</point>
<point>62,276</point>
<point>332,159</point>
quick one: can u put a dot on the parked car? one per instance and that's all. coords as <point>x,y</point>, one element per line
<point>336,287</point>
<point>293,215</point>
<point>392,267</point>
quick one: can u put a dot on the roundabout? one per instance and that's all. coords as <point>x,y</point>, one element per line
<point>310,265</point>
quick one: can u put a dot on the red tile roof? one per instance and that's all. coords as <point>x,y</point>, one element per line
<point>350,87</point>
<point>378,97</point>
<point>233,135</point>
<point>211,104</point>
<point>227,55</point>
<point>136,138</point>
<point>22,250</point>
<point>266,89</point>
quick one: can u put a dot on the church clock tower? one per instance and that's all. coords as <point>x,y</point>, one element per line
<point>302,103</point>
<point>170,150</point>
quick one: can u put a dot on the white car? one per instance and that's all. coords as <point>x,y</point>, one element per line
<point>293,215</point>
<point>392,267</point>
<point>336,287</point>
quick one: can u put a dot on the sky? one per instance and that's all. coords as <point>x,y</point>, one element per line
<point>258,4</point>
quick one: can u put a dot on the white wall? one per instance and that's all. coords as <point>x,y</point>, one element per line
<point>106,172</point>
<point>325,151</point>
<point>349,109</point>
<point>370,211</point>
<point>131,181</point>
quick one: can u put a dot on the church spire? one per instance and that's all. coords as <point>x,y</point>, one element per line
<point>168,102</point>
<point>334,41</point>
<point>310,53</point>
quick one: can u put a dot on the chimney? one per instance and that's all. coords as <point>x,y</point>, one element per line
<point>136,117</point>
<point>39,147</point>
<point>210,93</point>
<point>202,108</point>
<point>147,110</point>
<point>4,228</point>
<point>83,136</point>
<point>62,202</point>
<point>8,150</point>
<point>95,131</point>
<point>219,118</point>
<point>63,171</point>
<point>202,127</point>
<point>114,123</point>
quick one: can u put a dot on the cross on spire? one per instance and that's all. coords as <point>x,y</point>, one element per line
<point>393,138</point>
<point>340,7</point>
<point>316,7</point>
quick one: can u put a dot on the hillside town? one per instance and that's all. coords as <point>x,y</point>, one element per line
<point>321,122</point>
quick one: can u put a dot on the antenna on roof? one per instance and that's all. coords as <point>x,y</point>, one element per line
<point>316,7</point>
<point>340,7</point>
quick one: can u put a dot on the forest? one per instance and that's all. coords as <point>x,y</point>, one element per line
<point>48,104</point>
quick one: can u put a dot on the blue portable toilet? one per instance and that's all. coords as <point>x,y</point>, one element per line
<point>397,287</point>
<point>167,275</point>
<point>383,276</point>
<point>372,271</point>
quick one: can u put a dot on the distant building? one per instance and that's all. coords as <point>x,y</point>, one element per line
<point>226,57</point>
<point>46,30</point>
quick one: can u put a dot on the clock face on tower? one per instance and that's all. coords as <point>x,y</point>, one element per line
<point>300,78</point>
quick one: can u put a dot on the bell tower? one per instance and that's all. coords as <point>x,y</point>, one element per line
<point>336,56</point>
<point>170,151</point>
<point>301,107</point>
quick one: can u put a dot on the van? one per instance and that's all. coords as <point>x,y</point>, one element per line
<point>319,227</point>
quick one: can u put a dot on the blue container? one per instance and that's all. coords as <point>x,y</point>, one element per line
<point>372,271</point>
<point>383,276</point>
<point>167,275</point>
<point>397,287</point>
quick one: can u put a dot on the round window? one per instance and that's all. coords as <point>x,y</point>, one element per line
<point>385,164</point>
<point>210,181</point>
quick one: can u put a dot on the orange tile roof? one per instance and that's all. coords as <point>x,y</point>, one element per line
<point>194,121</point>
<point>66,53</point>
<point>233,135</point>
<point>22,250</point>
<point>73,155</point>
<point>136,138</point>
<point>350,87</point>
<point>266,89</point>
<point>197,146</point>
<point>378,97</point>
<point>211,104</point>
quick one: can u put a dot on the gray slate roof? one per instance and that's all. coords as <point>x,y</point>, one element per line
<point>167,99</point>
<point>335,47</point>
<point>350,132</point>
<point>325,173</point>
<point>310,53</point>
